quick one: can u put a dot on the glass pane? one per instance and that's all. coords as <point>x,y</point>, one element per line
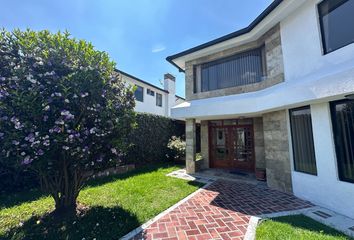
<point>220,143</point>
<point>343,130</point>
<point>337,20</point>
<point>243,144</point>
<point>302,140</point>
<point>230,122</point>
<point>215,123</point>
<point>139,93</point>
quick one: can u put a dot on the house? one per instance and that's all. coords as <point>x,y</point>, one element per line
<point>152,99</point>
<point>278,95</point>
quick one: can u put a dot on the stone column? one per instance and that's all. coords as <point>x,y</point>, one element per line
<point>190,145</point>
<point>204,143</point>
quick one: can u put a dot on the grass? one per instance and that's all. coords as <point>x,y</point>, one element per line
<point>117,205</point>
<point>298,227</point>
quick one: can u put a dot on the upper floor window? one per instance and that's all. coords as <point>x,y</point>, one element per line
<point>150,92</point>
<point>237,70</point>
<point>159,99</point>
<point>343,132</point>
<point>139,93</point>
<point>336,20</point>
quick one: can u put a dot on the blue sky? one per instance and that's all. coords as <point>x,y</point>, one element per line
<point>137,34</point>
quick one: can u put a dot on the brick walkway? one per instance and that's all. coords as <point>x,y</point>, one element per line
<point>221,211</point>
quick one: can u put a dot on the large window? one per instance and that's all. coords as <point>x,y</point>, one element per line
<point>139,93</point>
<point>241,69</point>
<point>159,99</point>
<point>343,130</point>
<point>302,140</point>
<point>336,19</point>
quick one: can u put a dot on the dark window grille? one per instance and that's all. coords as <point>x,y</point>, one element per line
<point>343,131</point>
<point>336,21</point>
<point>150,92</point>
<point>302,140</point>
<point>159,99</point>
<point>237,70</point>
<point>139,93</point>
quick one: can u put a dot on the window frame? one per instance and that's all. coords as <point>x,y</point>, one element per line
<point>292,141</point>
<point>263,68</point>
<point>325,51</point>
<point>332,106</point>
<point>150,92</point>
<point>157,99</point>
<point>142,93</point>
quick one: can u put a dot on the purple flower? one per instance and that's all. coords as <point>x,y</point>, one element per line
<point>45,118</point>
<point>40,152</point>
<point>114,151</point>
<point>46,143</point>
<point>65,147</point>
<point>14,142</point>
<point>67,115</point>
<point>27,160</point>
<point>83,95</point>
<point>30,138</point>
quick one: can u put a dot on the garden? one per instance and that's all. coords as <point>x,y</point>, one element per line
<point>66,116</point>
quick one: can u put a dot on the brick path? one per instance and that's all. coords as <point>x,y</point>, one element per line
<point>221,211</point>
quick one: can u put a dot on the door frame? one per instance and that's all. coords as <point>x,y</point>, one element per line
<point>229,128</point>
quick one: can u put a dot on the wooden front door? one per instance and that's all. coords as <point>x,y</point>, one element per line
<point>232,147</point>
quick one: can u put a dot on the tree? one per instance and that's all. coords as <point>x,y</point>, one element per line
<point>64,112</point>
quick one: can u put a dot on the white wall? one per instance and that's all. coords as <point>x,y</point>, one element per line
<point>149,103</point>
<point>302,46</point>
<point>325,189</point>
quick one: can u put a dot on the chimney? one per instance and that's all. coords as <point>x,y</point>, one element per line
<point>170,86</point>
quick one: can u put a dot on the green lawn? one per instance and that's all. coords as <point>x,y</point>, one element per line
<point>297,227</point>
<point>117,205</point>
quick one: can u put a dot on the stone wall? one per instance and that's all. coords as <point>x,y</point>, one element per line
<point>274,66</point>
<point>276,146</point>
<point>259,142</point>
<point>190,145</point>
<point>204,143</point>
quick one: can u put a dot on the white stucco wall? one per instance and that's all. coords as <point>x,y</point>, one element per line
<point>302,46</point>
<point>325,189</point>
<point>149,103</point>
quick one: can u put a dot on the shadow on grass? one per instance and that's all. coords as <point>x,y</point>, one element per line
<point>98,222</point>
<point>305,223</point>
<point>7,201</point>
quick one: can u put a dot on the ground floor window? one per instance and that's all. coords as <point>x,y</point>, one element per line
<point>343,131</point>
<point>302,140</point>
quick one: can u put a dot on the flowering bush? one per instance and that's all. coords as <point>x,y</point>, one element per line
<point>177,148</point>
<point>61,106</point>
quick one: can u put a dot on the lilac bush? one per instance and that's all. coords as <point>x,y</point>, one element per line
<point>64,112</point>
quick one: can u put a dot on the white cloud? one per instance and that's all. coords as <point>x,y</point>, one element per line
<point>158,48</point>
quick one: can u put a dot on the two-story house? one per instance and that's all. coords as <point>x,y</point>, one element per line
<point>278,95</point>
<point>153,99</point>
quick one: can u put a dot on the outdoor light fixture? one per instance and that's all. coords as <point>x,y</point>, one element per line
<point>350,96</point>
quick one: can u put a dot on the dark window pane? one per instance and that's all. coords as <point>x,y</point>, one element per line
<point>302,140</point>
<point>343,131</point>
<point>139,93</point>
<point>158,99</point>
<point>337,18</point>
<point>241,69</point>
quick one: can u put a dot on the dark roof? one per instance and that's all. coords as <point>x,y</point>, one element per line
<point>139,80</point>
<point>180,97</point>
<point>240,32</point>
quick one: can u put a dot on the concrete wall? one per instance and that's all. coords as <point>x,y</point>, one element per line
<point>274,66</point>
<point>302,46</point>
<point>276,146</point>
<point>325,189</point>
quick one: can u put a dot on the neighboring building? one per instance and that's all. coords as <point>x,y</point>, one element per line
<point>279,95</point>
<point>152,99</point>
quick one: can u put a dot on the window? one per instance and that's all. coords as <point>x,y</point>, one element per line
<point>336,20</point>
<point>139,93</point>
<point>158,99</point>
<point>240,69</point>
<point>302,140</point>
<point>150,92</point>
<point>343,131</point>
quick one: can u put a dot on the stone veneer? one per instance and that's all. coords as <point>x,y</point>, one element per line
<point>190,145</point>
<point>259,142</point>
<point>274,66</point>
<point>204,143</point>
<point>276,146</point>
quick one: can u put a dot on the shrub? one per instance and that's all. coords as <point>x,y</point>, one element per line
<point>61,106</point>
<point>150,137</point>
<point>177,148</point>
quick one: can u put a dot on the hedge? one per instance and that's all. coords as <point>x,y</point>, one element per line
<point>149,140</point>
